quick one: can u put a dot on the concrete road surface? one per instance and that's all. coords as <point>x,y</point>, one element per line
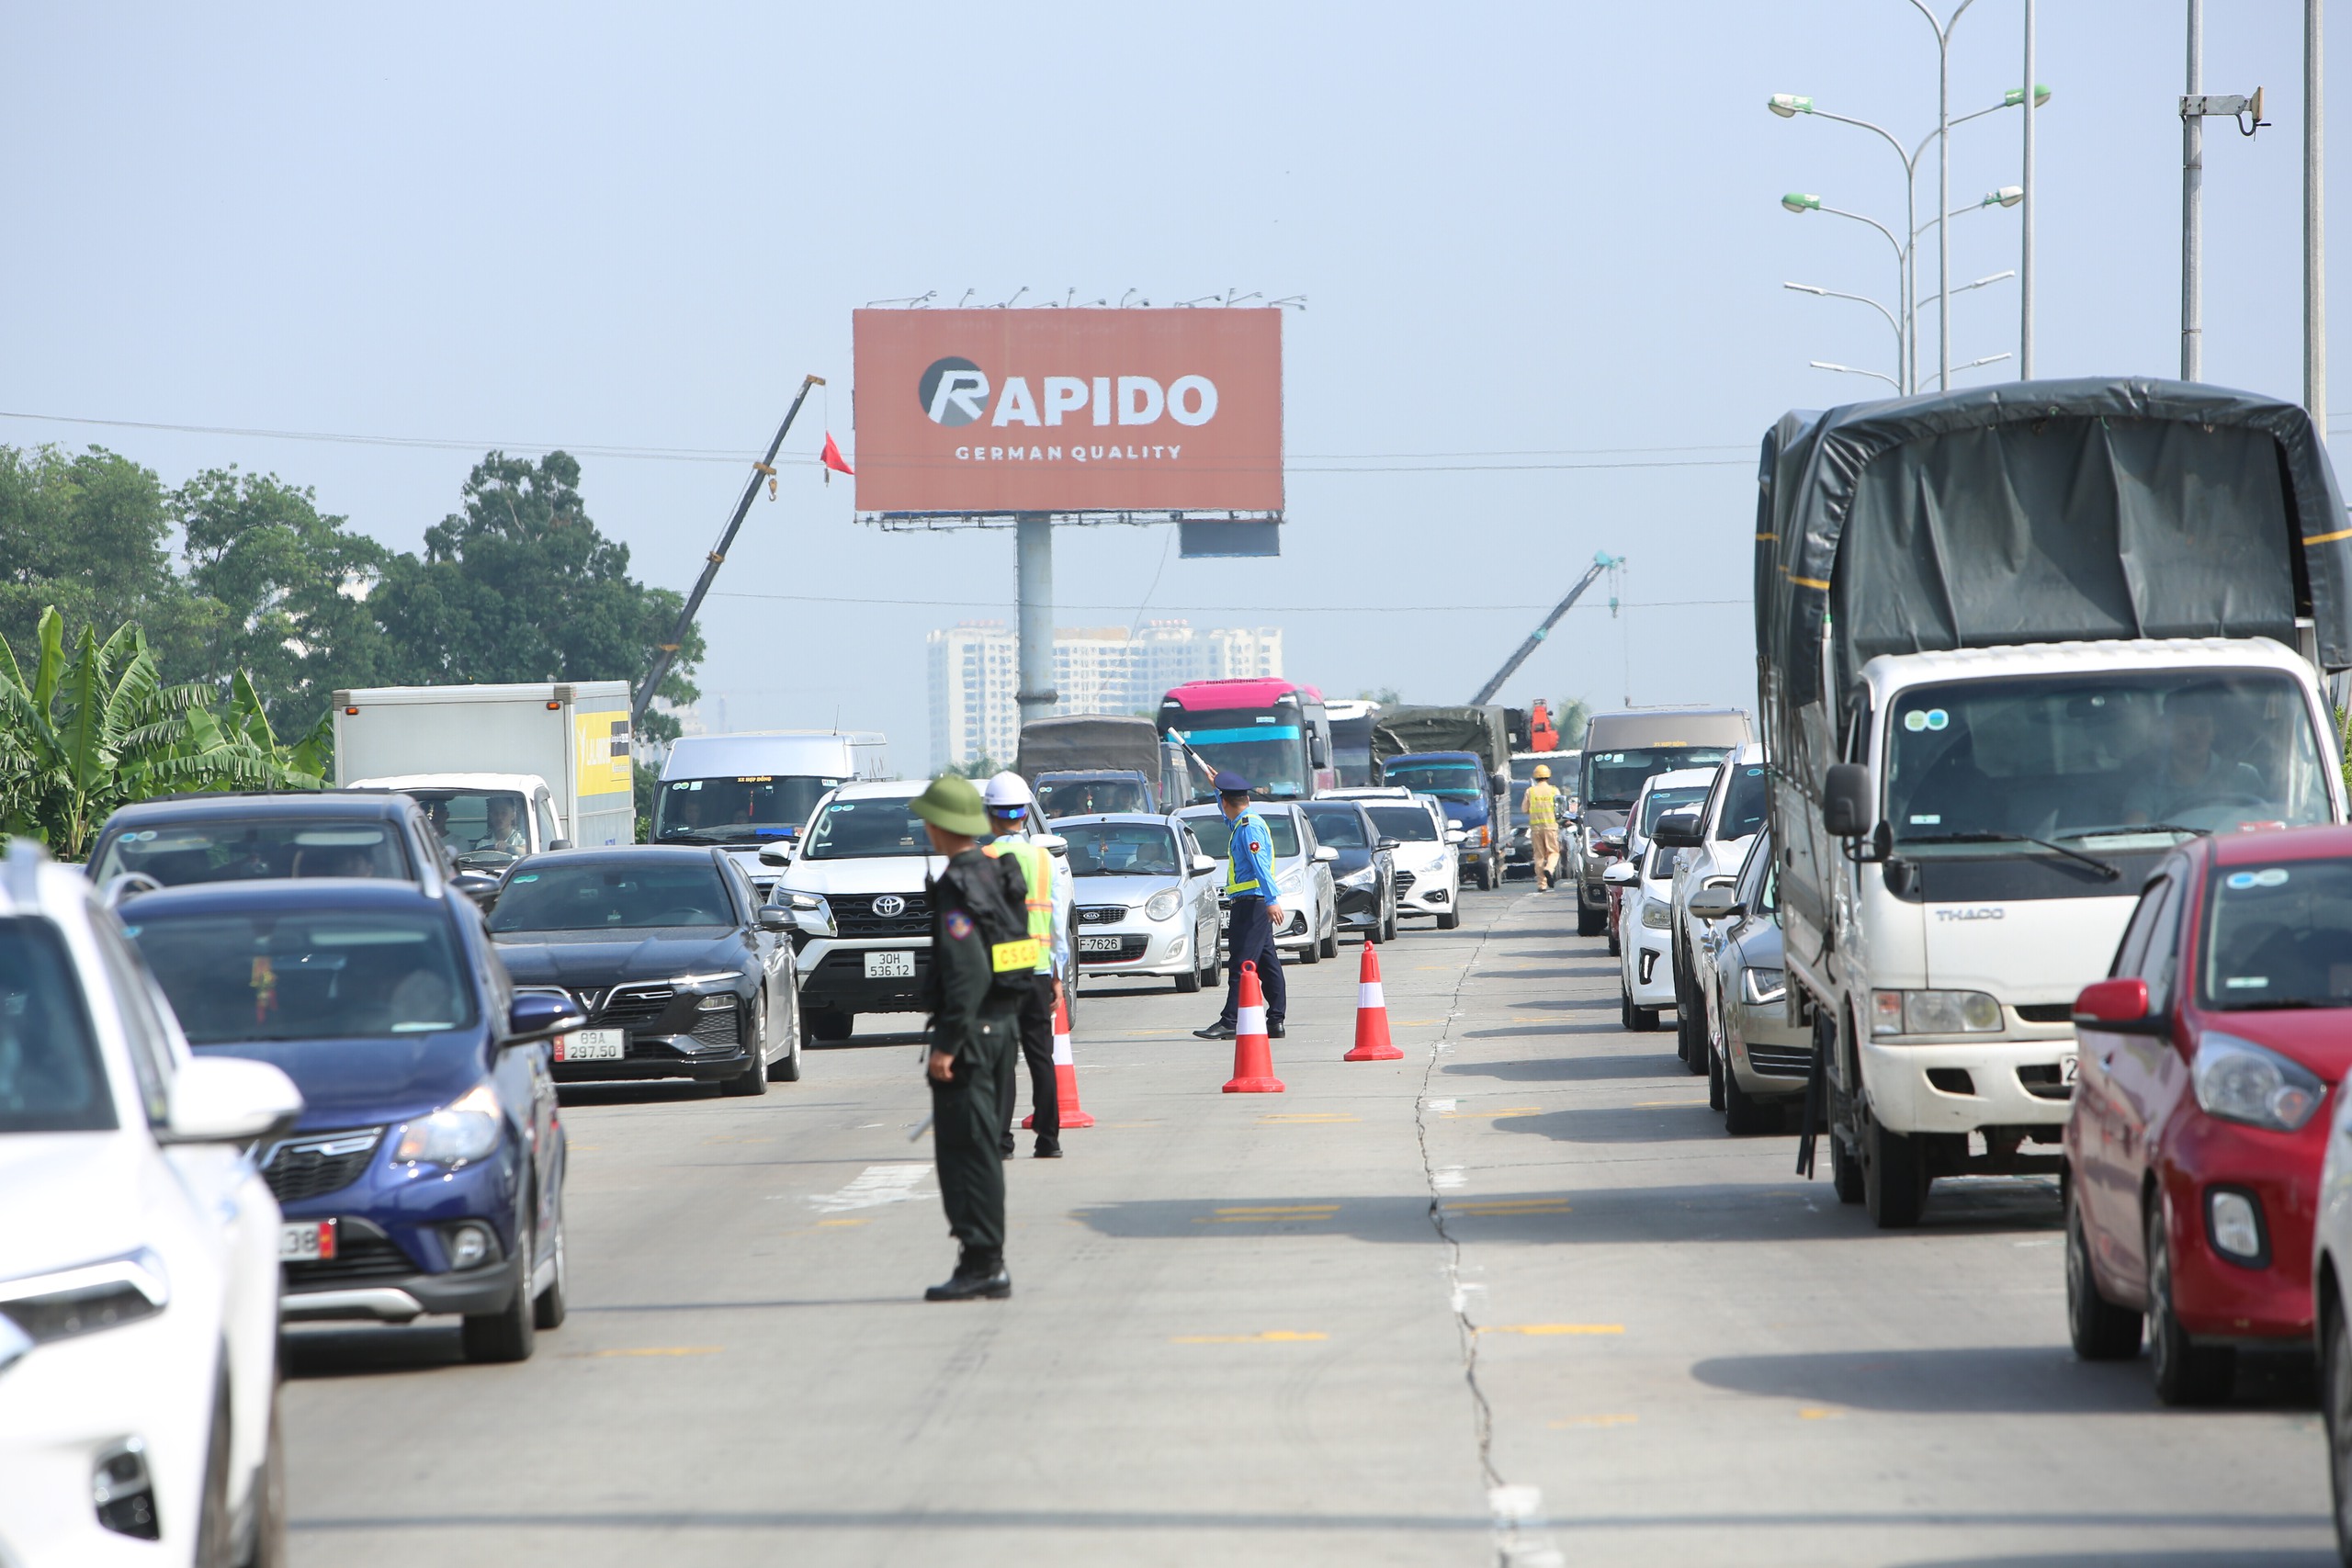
<point>1514,1298</point>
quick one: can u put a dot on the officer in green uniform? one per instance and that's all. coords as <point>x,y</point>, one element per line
<point>974,1030</point>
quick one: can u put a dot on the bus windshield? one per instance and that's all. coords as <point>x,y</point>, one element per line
<point>1268,747</point>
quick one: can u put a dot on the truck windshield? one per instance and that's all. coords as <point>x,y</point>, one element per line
<point>1612,779</point>
<point>482,829</point>
<point>1265,746</point>
<point>1121,849</point>
<point>306,974</point>
<point>2103,761</point>
<point>1090,797</point>
<point>1447,781</point>
<point>255,849</point>
<point>2277,936</point>
<point>754,805</point>
<point>866,830</point>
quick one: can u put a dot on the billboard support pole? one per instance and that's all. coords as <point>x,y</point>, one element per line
<point>1033,556</point>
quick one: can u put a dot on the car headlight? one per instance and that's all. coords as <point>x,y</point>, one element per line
<point>465,1129</point>
<point>84,1300</point>
<point>1657,916</point>
<point>1764,984</point>
<point>2239,1082</point>
<point>1359,878</point>
<point>1934,1012</point>
<point>810,913</point>
<point>1161,906</point>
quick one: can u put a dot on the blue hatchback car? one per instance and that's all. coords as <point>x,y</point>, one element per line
<point>426,1174</point>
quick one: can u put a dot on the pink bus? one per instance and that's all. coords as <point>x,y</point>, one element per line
<point>1272,731</point>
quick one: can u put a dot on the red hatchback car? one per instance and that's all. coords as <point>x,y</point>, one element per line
<point>2193,1152</point>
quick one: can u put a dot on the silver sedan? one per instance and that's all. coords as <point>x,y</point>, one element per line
<point>1143,897</point>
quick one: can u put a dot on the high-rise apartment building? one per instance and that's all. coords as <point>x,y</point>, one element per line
<point>974,676</point>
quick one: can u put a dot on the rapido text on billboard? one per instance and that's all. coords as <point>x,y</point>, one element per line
<point>1069,411</point>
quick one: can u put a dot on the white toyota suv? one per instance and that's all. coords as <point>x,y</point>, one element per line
<point>138,1257</point>
<point>856,881</point>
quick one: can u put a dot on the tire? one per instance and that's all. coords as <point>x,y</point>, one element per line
<point>1743,1112</point>
<point>1895,1176</point>
<point>1589,922</point>
<point>551,1306</point>
<point>828,1026</point>
<point>2100,1330</point>
<point>1449,921</point>
<point>1625,1008</point>
<point>1485,877</point>
<point>1312,953</point>
<point>2335,1413</point>
<point>1330,947</point>
<point>754,1078</point>
<point>786,1068</point>
<point>1215,974</point>
<point>1845,1171</point>
<point>2186,1374</point>
<point>267,1547</point>
<point>1690,1027</point>
<point>1645,1020</point>
<point>1188,982</point>
<point>1614,951</point>
<point>511,1334</point>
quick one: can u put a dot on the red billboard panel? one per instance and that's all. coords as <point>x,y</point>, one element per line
<point>1069,411</point>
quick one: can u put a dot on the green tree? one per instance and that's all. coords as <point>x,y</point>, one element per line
<point>289,590</point>
<point>1569,716</point>
<point>88,534</point>
<point>521,586</point>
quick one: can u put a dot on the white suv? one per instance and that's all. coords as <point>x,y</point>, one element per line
<point>139,1259</point>
<point>1429,866</point>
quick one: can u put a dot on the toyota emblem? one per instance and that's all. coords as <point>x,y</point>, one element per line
<point>889,906</point>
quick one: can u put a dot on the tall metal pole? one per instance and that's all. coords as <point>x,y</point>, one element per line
<point>667,653</point>
<point>1033,550</point>
<point>1943,204</point>
<point>2192,202</point>
<point>2025,242</point>
<point>2314,222</point>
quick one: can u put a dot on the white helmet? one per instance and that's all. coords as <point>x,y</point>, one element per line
<point>1006,794</point>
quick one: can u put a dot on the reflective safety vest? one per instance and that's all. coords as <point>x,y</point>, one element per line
<point>1250,858</point>
<point>1542,806</point>
<point>1036,865</point>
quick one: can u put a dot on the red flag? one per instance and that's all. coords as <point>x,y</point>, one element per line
<point>831,457</point>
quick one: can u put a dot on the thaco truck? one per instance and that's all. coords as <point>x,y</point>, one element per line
<point>2013,645</point>
<point>559,751</point>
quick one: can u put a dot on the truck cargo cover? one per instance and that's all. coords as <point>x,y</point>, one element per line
<point>1085,740</point>
<point>2045,512</point>
<point>1479,730</point>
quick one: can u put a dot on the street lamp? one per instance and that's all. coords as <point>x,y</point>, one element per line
<point>1801,202</point>
<point>1859,299</point>
<point>1855,370</point>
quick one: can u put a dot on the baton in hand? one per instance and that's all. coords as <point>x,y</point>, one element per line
<point>920,1128</point>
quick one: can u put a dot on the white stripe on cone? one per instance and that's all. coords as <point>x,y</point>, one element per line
<point>1368,995</point>
<point>1062,1058</point>
<point>1250,1020</point>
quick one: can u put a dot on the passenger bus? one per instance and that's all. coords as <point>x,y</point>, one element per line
<point>1352,721</point>
<point>1273,732</point>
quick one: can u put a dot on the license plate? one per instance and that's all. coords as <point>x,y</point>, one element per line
<point>2066,1069</point>
<point>592,1045</point>
<point>1099,944</point>
<point>310,1242</point>
<point>890,965</point>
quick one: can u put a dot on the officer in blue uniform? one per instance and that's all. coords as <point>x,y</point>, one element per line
<point>1250,888</point>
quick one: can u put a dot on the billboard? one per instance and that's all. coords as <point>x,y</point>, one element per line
<point>1069,411</point>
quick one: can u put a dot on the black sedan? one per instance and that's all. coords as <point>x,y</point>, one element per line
<point>681,971</point>
<point>1364,875</point>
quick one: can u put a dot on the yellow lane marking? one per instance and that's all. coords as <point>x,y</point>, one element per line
<point>1548,1328</point>
<point>1819,1413</point>
<point>1519,1206</point>
<point>1644,1104</point>
<point>1272,1337</point>
<point>823,1224</point>
<point>1272,1214</point>
<point>1505,1110</point>
<point>1615,1420</point>
<point>661,1350</point>
<point>1307,1116</point>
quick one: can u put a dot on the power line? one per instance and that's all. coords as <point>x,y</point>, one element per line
<point>1222,609</point>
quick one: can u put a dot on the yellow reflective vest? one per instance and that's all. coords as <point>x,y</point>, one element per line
<point>1542,806</point>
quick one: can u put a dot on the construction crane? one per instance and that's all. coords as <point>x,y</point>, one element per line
<point>1601,563</point>
<point>666,653</point>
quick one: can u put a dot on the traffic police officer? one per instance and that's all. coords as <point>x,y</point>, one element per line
<point>974,1023</point>
<point>1008,801</point>
<point>1250,889</point>
<point>1543,826</point>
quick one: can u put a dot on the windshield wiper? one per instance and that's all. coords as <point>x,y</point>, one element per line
<point>2280,1004</point>
<point>2123,829</point>
<point>687,836</point>
<point>2106,873</point>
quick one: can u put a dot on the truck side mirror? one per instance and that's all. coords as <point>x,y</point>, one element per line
<point>1677,830</point>
<point>1846,800</point>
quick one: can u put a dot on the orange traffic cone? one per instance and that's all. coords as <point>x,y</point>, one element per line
<point>1372,1015</point>
<point>1065,1074</point>
<point>1253,1056</point>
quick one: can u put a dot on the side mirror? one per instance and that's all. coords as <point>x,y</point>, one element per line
<point>1714,904</point>
<point>559,843</point>
<point>1201,866</point>
<point>1454,835</point>
<point>1053,842</point>
<point>477,886</point>
<point>1846,800</point>
<point>774,917</point>
<point>2118,1005</point>
<point>1325,854</point>
<point>538,1015</point>
<point>1621,874</point>
<point>227,1099</point>
<point>1387,844</point>
<point>778,853</point>
<point>1677,830</point>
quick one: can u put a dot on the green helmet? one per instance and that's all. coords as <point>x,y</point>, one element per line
<point>952,806</point>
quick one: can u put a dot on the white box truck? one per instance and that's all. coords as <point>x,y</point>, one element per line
<point>2014,644</point>
<point>751,790</point>
<point>563,745</point>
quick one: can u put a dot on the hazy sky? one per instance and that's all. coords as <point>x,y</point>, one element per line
<point>1550,232</point>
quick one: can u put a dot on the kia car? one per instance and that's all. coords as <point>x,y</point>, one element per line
<point>1145,899</point>
<point>425,1176</point>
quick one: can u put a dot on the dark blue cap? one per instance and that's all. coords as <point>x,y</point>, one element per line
<point>1231,783</point>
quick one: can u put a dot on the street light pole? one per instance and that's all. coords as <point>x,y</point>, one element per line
<point>1943,181</point>
<point>2314,224</point>
<point>2192,197</point>
<point>2025,242</point>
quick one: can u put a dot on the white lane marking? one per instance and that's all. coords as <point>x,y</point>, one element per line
<point>1442,1104</point>
<point>1450,1176</point>
<point>875,1186</point>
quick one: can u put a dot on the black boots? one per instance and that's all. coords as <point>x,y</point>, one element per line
<point>979,1275</point>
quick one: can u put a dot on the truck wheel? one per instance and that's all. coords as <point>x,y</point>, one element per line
<point>2100,1330</point>
<point>1895,1176</point>
<point>828,1026</point>
<point>1487,876</point>
<point>2187,1372</point>
<point>1845,1171</point>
